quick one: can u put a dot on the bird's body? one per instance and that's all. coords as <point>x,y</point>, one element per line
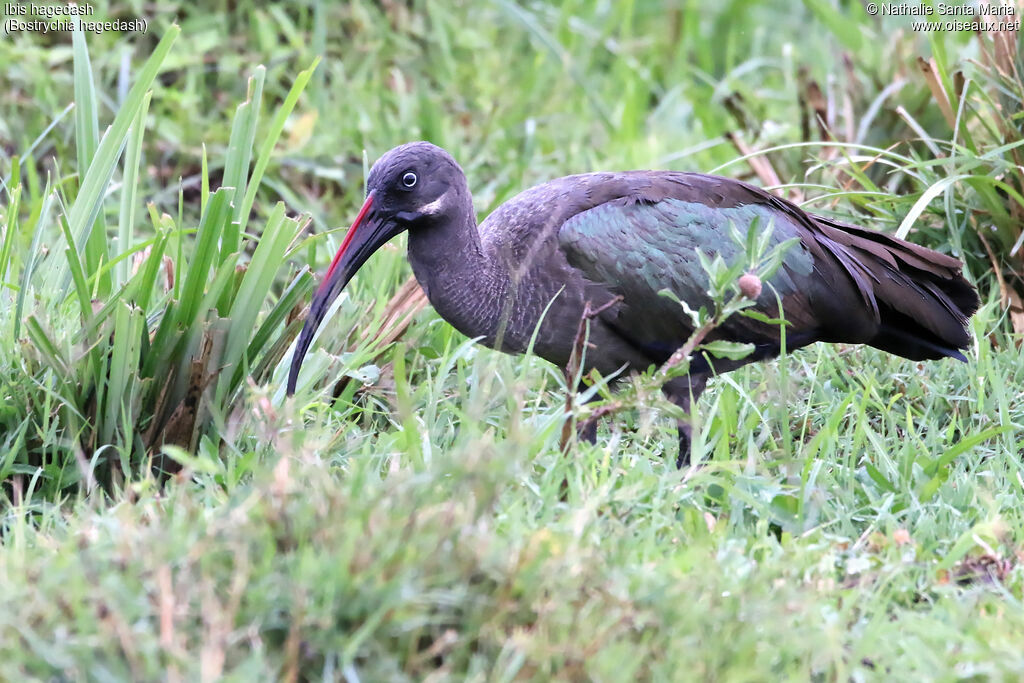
<point>615,241</point>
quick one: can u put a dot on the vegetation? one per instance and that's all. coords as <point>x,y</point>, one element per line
<point>166,512</point>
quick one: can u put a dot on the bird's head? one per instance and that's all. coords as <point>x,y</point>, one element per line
<point>409,188</point>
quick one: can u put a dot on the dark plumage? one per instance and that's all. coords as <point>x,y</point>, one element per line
<point>596,236</point>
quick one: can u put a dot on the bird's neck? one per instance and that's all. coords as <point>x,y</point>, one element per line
<point>451,266</point>
<point>446,244</point>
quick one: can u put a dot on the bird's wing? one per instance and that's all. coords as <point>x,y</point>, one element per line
<point>838,283</point>
<point>637,247</point>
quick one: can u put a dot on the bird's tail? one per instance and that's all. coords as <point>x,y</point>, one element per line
<point>921,299</point>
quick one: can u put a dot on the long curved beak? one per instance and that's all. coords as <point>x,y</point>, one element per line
<point>366,235</point>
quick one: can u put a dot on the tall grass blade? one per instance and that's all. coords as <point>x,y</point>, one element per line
<point>255,286</point>
<point>87,133</point>
<point>130,187</point>
<point>267,148</point>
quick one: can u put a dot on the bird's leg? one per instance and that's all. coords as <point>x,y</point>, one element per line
<point>684,392</point>
<point>586,430</point>
<point>685,430</point>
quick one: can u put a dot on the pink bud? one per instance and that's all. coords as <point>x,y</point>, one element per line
<point>750,285</point>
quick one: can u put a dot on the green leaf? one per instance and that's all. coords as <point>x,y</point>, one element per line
<point>87,134</point>
<point>45,346</point>
<point>203,465</point>
<point>87,126</point>
<point>77,273</point>
<point>11,230</point>
<point>879,478</point>
<point>922,203</point>
<point>124,362</point>
<point>276,126</point>
<point>259,277</point>
<point>34,254</point>
<point>963,446</point>
<point>211,227</point>
<point>721,348</point>
<point>295,292</point>
<point>129,188</point>
<point>761,317</point>
<point>240,145</point>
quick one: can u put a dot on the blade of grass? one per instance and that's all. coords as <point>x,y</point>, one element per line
<point>130,186</point>
<point>922,203</point>
<point>45,346</point>
<point>11,230</point>
<point>259,277</point>
<point>211,227</point>
<point>124,360</point>
<point>87,133</point>
<point>267,148</point>
<point>295,292</point>
<point>204,192</point>
<point>33,257</point>
<point>239,154</point>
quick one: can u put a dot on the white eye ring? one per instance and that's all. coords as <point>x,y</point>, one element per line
<point>409,179</point>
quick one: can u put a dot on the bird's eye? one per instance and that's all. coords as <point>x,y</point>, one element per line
<point>409,179</point>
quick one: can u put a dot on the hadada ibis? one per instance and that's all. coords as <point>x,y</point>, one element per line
<point>616,241</point>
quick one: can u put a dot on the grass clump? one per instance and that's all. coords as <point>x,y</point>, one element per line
<point>147,345</point>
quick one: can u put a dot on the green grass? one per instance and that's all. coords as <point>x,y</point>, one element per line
<point>855,515</point>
